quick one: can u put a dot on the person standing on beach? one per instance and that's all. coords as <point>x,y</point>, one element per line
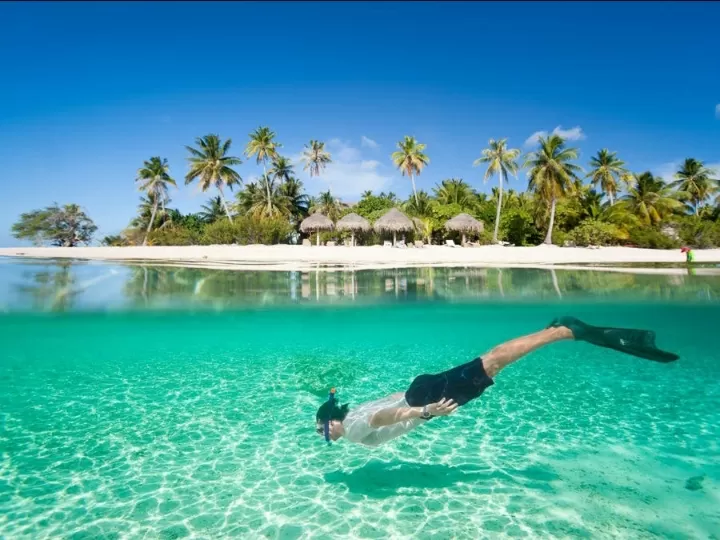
<point>377,422</point>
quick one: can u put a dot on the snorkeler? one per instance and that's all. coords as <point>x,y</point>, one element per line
<point>380,421</point>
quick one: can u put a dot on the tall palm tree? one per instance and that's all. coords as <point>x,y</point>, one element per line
<point>213,210</point>
<point>608,172</point>
<point>316,158</point>
<point>276,205</point>
<point>211,164</point>
<point>263,146</point>
<point>651,199</point>
<point>697,181</point>
<point>410,159</point>
<point>154,177</point>
<point>298,201</point>
<point>500,160</point>
<point>282,169</point>
<point>552,173</point>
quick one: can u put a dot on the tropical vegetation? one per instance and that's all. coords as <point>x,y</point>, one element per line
<point>605,204</point>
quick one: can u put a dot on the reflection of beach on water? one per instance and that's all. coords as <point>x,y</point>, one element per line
<point>65,285</point>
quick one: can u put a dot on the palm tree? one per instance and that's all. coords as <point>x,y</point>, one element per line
<point>651,199</point>
<point>608,172</point>
<point>282,169</point>
<point>211,164</point>
<point>213,210</point>
<point>455,191</point>
<point>697,182</point>
<point>155,178</point>
<point>263,146</point>
<point>298,201</point>
<point>316,158</point>
<point>419,206</point>
<point>410,159</point>
<point>500,161</point>
<point>551,173</point>
<point>327,205</point>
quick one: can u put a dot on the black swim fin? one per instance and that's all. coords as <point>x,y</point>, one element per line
<point>630,341</point>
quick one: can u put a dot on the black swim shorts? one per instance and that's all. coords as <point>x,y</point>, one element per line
<point>461,384</point>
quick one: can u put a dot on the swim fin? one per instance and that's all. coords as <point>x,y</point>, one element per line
<point>630,341</point>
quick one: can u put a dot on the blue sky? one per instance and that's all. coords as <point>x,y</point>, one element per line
<point>90,90</point>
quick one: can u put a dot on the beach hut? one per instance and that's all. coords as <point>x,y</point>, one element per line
<point>394,220</point>
<point>464,223</point>
<point>316,222</point>
<point>353,223</point>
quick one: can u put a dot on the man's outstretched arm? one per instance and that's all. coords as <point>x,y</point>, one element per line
<point>394,415</point>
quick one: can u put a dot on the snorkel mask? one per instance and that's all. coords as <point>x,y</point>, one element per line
<point>331,402</point>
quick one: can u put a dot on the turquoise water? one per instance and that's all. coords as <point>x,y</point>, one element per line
<point>136,403</point>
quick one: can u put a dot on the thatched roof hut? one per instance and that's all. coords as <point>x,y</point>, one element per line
<point>464,223</point>
<point>316,222</point>
<point>353,222</point>
<point>394,220</point>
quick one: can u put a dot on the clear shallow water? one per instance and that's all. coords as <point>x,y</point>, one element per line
<point>149,422</point>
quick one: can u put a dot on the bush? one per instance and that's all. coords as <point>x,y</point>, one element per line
<point>173,236</point>
<point>699,234</point>
<point>248,230</point>
<point>518,228</point>
<point>220,232</point>
<point>593,232</point>
<point>648,237</point>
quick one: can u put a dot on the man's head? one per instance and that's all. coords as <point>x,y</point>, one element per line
<point>334,414</point>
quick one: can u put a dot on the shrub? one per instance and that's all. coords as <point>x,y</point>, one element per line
<point>219,232</point>
<point>647,237</point>
<point>699,234</point>
<point>174,235</point>
<point>593,232</point>
<point>518,228</point>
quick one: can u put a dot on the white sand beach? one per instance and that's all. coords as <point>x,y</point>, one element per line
<point>291,257</point>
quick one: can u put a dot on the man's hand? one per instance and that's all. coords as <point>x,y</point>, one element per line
<point>444,407</point>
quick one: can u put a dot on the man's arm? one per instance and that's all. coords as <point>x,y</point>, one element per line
<point>394,415</point>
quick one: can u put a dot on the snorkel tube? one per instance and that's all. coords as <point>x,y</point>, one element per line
<point>331,402</point>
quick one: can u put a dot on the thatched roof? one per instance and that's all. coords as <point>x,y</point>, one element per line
<point>394,220</point>
<point>353,222</point>
<point>464,223</point>
<point>316,222</point>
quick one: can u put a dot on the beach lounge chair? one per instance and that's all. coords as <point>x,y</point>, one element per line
<point>387,243</point>
<point>450,243</point>
<point>400,244</point>
<point>306,242</point>
<point>419,244</point>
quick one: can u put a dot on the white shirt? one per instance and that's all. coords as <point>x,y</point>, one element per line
<point>357,422</point>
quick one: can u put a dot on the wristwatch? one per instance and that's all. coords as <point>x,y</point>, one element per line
<point>425,413</point>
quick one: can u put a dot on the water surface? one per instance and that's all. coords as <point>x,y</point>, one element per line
<point>142,402</point>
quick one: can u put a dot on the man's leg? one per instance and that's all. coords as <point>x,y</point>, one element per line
<point>510,351</point>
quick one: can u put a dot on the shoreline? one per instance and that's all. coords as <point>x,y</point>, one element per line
<point>294,257</point>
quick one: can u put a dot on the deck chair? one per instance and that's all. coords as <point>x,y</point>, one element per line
<point>387,243</point>
<point>419,244</point>
<point>450,243</point>
<point>400,244</point>
<point>306,242</point>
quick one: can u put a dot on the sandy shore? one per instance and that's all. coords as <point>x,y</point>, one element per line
<point>287,257</point>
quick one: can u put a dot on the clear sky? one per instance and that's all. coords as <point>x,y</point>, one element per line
<point>90,90</point>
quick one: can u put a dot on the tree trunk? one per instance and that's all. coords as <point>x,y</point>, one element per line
<point>612,199</point>
<point>548,238</point>
<point>267,188</point>
<point>152,220</point>
<point>499,207</point>
<point>222,197</point>
<point>412,179</point>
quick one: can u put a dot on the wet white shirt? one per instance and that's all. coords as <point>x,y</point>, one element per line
<point>357,422</point>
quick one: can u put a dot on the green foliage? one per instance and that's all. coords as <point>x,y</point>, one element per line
<point>700,234</point>
<point>65,226</point>
<point>173,235</point>
<point>517,226</point>
<point>372,206</point>
<point>594,232</point>
<point>248,230</point>
<point>649,237</point>
<point>114,240</point>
